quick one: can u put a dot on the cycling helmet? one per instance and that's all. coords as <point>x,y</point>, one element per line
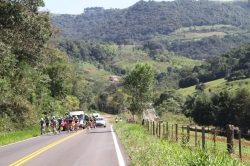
<point>41,118</point>
<point>53,117</point>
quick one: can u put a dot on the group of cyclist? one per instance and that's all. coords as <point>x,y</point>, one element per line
<point>57,124</point>
<point>91,121</point>
<point>72,123</point>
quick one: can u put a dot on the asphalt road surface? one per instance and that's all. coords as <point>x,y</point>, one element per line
<point>97,147</point>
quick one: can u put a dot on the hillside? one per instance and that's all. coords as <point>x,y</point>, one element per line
<point>218,86</point>
<point>144,20</point>
<point>233,65</point>
<point>97,62</point>
<point>195,29</point>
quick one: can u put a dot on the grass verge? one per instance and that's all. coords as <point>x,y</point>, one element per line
<point>144,149</point>
<point>11,137</point>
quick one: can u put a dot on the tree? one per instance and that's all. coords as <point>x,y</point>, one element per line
<point>202,112</point>
<point>35,78</point>
<point>241,107</point>
<point>169,101</point>
<point>222,108</point>
<point>138,85</point>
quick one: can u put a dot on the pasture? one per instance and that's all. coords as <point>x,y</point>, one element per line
<point>218,86</point>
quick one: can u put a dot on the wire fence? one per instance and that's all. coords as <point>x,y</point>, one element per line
<point>227,140</point>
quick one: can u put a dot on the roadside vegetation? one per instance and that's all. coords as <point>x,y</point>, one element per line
<point>12,137</point>
<point>144,149</point>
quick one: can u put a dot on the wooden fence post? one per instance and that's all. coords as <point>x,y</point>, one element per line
<point>163,128</point>
<point>172,132</point>
<point>167,130</point>
<point>147,125</point>
<point>195,130</point>
<point>159,129</point>
<point>188,133</point>
<point>230,139</point>
<point>239,137</point>
<point>176,132</point>
<point>153,128</point>
<point>203,137</point>
<point>156,129</point>
<point>214,136</point>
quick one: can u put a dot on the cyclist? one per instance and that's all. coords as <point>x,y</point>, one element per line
<point>92,121</point>
<point>60,120</point>
<point>76,119</point>
<point>94,118</point>
<point>67,122</point>
<point>54,123</point>
<point>47,122</point>
<point>86,118</point>
<point>42,122</point>
<point>70,122</point>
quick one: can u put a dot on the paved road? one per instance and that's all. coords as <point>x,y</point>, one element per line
<point>83,148</point>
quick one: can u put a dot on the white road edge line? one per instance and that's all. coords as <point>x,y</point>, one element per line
<point>20,141</point>
<point>118,151</point>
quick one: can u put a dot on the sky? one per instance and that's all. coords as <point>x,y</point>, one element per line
<point>77,6</point>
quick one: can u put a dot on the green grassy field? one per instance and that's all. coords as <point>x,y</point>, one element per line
<point>218,85</point>
<point>199,32</point>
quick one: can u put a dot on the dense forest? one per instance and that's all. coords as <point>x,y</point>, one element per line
<point>36,78</point>
<point>144,20</point>
<point>232,65</point>
<point>156,20</point>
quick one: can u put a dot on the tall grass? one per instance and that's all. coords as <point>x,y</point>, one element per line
<point>11,137</point>
<point>144,149</point>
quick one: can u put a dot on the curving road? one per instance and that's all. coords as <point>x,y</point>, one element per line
<point>97,147</point>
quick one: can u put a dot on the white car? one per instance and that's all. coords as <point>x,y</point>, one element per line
<point>100,121</point>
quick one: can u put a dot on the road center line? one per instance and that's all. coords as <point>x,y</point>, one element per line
<point>118,151</point>
<point>30,156</point>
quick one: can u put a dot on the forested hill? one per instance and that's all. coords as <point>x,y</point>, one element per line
<point>233,65</point>
<point>145,20</point>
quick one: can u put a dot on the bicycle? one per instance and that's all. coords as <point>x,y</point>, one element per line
<point>42,129</point>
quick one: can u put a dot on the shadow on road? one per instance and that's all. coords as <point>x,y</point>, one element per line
<point>99,131</point>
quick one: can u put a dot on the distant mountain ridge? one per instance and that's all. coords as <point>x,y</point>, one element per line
<point>145,20</point>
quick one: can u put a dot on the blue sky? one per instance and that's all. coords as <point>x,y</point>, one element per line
<point>77,6</point>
